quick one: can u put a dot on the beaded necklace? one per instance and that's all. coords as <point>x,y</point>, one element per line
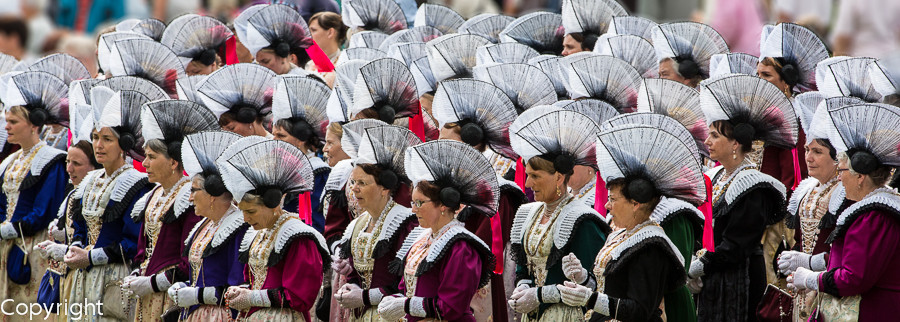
<point>261,249</point>
<point>160,202</point>
<point>14,176</point>
<point>363,244</point>
<point>605,254</point>
<point>418,252</point>
<point>195,256</point>
<point>537,244</point>
<point>724,182</point>
<point>97,196</point>
<point>813,210</point>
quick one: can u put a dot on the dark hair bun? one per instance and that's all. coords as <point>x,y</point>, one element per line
<point>126,141</point>
<point>283,50</point>
<point>744,134</point>
<point>38,116</point>
<point>206,57</point>
<point>272,198</point>
<point>471,134</point>
<point>214,185</point>
<point>245,114</point>
<point>864,162</point>
<point>641,190</point>
<point>590,40</point>
<point>688,68</point>
<point>174,150</point>
<point>450,197</point>
<point>790,74</point>
<point>564,164</point>
<point>386,114</point>
<point>301,130</point>
<point>388,179</point>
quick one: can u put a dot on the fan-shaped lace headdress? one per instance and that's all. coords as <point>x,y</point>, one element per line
<point>171,120</point>
<point>463,174</point>
<point>756,108</point>
<point>199,153</point>
<point>482,111</point>
<point>302,101</point>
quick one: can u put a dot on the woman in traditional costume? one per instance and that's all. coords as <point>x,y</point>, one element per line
<point>240,95</point>
<point>442,263</point>
<point>278,38</point>
<point>105,238</point>
<point>684,50</point>
<point>199,41</point>
<point>285,258</point>
<point>858,281</point>
<point>744,200</point>
<point>68,69</point>
<point>34,180</point>
<point>372,240</point>
<point>213,244</point>
<point>298,108</point>
<point>551,144</point>
<point>584,21</point>
<point>165,213</point>
<point>648,172</point>
<point>479,114</point>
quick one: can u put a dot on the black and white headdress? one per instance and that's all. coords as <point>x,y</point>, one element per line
<point>606,78</point>
<point>367,39</point>
<point>732,63</point>
<point>591,18</point>
<point>340,101</point>
<point>797,49</point>
<point>269,169</point>
<point>107,43</point>
<point>678,101</point>
<point>444,19</point>
<point>653,162</point>
<point>525,85</point>
<point>122,113</point>
<point>277,27</point>
<point>46,97</point>
<point>868,133</point>
<point>552,67</point>
<point>488,25</point>
<point>690,44</point>
<point>171,120</point>
<point>386,146</point>
<point>885,75</point>
<point>197,38</point>
<point>846,76</point>
<point>149,27</point>
<point>199,153</point>
<point>243,89</point>
<point>302,101</point>
<point>632,25</point>
<point>63,66</point>
<point>482,111</point>
<point>360,53</point>
<point>813,118</point>
<point>599,111</point>
<point>463,174</point>
<point>658,121</point>
<point>353,133</point>
<point>542,31</point>
<point>425,80</point>
<point>756,108</point>
<point>133,83</point>
<point>507,53</point>
<point>407,52</point>
<point>387,86</point>
<point>420,34</point>
<point>453,55</point>
<point>382,15</point>
<point>636,51</point>
<point>563,137</point>
<point>147,59</point>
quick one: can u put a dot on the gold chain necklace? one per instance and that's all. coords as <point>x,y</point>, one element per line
<point>14,176</point>
<point>363,245</point>
<point>261,250</point>
<point>605,254</point>
<point>160,202</point>
<point>722,184</point>
<point>93,208</point>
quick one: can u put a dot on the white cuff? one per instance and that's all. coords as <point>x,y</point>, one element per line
<point>8,231</point>
<point>524,282</point>
<point>98,257</point>
<point>209,296</point>
<point>162,282</point>
<point>550,294</point>
<point>602,304</point>
<point>260,298</point>
<point>417,307</point>
<point>375,296</point>
<point>817,263</point>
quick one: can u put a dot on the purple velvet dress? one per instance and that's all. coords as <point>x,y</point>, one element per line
<point>864,259</point>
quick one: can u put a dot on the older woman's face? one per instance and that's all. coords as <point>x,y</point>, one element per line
<point>819,162</point>
<point>159,167</point>
<point>106,146</point>
<point>368,193</point>
<point>77,165</point>
<point>667,71</point>
<point>332,149</point>
<point>257,215</point>
<point>429,213</point>
<point>770,74</point>
<point>544,184</point>
<point>202,201</point>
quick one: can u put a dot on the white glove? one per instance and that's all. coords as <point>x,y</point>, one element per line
<point>59,235</point>
<point>183,295</point>
<point>526,301</point>
<point>391,308</point>
<point>790,260</point>
<point>340,265</point>
<point>8,231</point>
<point>137,285</point>
<point>573,270</point>
<point>51,249</point>
<point>350,296</point>
<point>695,285</point>
<point>804,279</point>
<point>240,298</point>
<point>696,269</point>
<point>574,294</point>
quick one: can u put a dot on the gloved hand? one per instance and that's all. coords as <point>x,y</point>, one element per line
<point>350,296</point>
<point>8,231</point>
<point>804,279</point>
<point>183,295</point>
<point>77,258</point>
<point>391,308</point>
<point>51,249</point>
<point>137,285</point>
<point>240,298</point>
<point>340,265</point>
<point>574,294</point>
<point>790,260</point>
<point>526,301</point>
<point>58,235</point>
<point>695,285</point>
<point>573,270</point>
<point>696,269</point>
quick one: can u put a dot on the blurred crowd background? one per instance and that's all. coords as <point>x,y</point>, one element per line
<point>34,28</point>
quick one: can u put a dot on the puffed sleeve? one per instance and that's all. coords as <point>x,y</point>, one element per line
<point>743,232</point>
<point>302,275</point>
<point>863,262</point>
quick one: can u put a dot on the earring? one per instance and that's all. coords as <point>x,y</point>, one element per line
<point>558,192</point>
<point>734,154</point>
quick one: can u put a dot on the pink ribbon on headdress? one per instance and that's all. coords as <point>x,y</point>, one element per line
<point>304,208</point>
<point>520,174</point>
<point>318,56</point>
<point>797,176</point>
<point>68,138</point>
<point>231,57</point>
<point>417,125</point>
<point>139,166</point>
<point>706,208</point>
<point>497,243</point>
<point>600,195</point>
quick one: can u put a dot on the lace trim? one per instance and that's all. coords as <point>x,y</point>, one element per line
<point>639,237</point>
<point>137,213</point>
<point>292,229</point>
<point>318,165</point>
<point>747,179</point>
<point>190,237</point>
<point>670,206</point>
<point>182,200</point>
<point>417,307</point>
<point>837,198</point>
<point>339,175</point>
<point>244,250</point>
<point>884,199</point>
<point>344,242</point>
<point>804,188</point>
<point>571,214</point>
<point>441,247</point>
<point>125,183</point>
<point>43,159</point>
<point>397,217</point>
<point>525,212</point>
<point>231,222</point>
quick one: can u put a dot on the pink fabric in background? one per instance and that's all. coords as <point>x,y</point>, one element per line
<point>739,22</point>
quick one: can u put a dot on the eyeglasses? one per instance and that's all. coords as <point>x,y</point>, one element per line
<point>193,190</point>
<point>839,170</point>
<point>419,203</point>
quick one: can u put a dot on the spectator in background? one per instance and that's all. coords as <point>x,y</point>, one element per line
<point>309,8</point>
<point>866,28</point>
<point>667,10</point>
<point>86,16</point>
<point>166,10</point>
<point>738,21</point>
<point>83,48</point>
<point>812,14</point>
<point>40,27</point>
<point>13,36</point>
<point>329,32</point>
